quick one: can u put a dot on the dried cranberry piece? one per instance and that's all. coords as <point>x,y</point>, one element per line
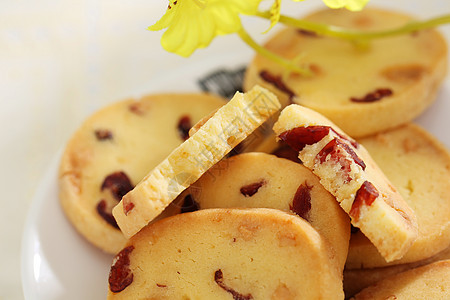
<point>335,154</point>
<point>251,189</point>
<point>333,148</point>
<point>374,96</point>
<point>127,207</point>
<point>120,275</point>
<point>184,125</point>
<point>365,195</point>
<point>189,204</point>
<point>218,278</point>
<point>277,82</point>
<point>103,134</point>
<point>118,183</point>
<point>137,108</point>
<point>307,33</point>
<point>107,216</point>
<point>351,141</point>
<point>298,138</point>
<point>301,205</point>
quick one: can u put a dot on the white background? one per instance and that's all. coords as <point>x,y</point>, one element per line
<point>62,60</point>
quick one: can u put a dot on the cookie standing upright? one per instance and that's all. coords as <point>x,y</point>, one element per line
<point>418,165</point>
<point>348,172</point>
<point>230,125</point>
<point>113,150</point>
<point>264,180</point>
<point>363,88</point>
<point>252,253</point>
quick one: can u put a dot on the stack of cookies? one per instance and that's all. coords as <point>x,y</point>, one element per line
<point>344,197</point>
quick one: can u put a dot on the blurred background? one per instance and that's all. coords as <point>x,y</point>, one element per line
<point>62,60</point>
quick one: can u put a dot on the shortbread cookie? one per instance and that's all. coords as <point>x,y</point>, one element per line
<point>357,279</point>
<point>348,172</point>
<point>264,180</point>
<point>419,167</point>
<point>363,89</point>
<point>256,141</point>
<point>231,124</point>
<point>428,282</point>
<point>113,150</point>
<point>226,254</point>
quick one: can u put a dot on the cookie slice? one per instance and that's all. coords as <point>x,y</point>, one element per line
<point>428,282</point>
<point>226,254</point>
<point>364,89</point>
<point>113,150</point>
<point>357,279</point>
<point>348,172</point>
<point>264,180</point>
<point>418,165</point>
<point>222,132</point>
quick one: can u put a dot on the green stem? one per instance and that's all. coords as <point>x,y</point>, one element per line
<point>272,56</point>
<point>349,34</point>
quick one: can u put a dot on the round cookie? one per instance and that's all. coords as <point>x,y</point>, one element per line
<point>226,254</point>
<point>114,149</point>
<point>264,180</point>
<point>428,282</point>
<point>357,279</point>
<point>365,89</point>
<point>419,167</point>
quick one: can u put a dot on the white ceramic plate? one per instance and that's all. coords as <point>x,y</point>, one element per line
<point>57,263</point>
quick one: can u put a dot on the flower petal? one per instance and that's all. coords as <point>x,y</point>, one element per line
<point>353,5</point>
<point>193,24</point>
<point>274,14</point>
<point>166,18</point>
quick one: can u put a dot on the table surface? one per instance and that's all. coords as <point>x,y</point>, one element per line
<point>62,60</point>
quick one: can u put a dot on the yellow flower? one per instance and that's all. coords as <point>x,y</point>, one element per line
<point>353,5</point>
<point>193,24</point>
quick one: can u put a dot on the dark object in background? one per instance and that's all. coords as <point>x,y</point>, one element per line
<point>223,82</point>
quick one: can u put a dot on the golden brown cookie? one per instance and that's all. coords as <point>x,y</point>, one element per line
<point>419,167</point>
<point>427,282</point>
<point>357,279</point>
<point>264,180</point>
<point>363,89</point>
<point>347,171</point>
<point>113,150</point>
<point>242,254</point>
<point>229,126</point>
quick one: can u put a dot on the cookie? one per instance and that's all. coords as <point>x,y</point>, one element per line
<point>348,172</point>
<point>380,85</point>
<point>257,141</point>
<point>231,124</point>
<point>419,167</point>
<point>113,150</point>
<point>428,282</point>
<point>357,279</point>
<point>264,180</point>
<point>252,253</point>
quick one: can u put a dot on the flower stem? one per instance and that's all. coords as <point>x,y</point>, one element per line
<point>272,56</point>
<point>350,34</point>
